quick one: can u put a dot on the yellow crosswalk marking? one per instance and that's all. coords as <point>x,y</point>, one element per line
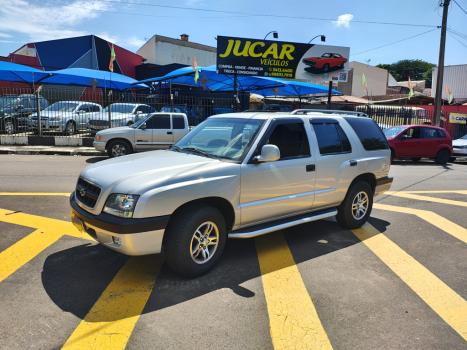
<point>65,194</point>
<point>430,191</point>
<point>428,199</point>
<point>434,219</point>
<point>18,254</point>
<point>110,322</point>
<point>450,306</point>
<point>293,320</point>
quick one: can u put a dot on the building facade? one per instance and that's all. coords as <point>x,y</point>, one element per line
<point>376,81</point>
<point>454,82</point>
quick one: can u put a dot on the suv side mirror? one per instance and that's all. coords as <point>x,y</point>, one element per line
<point>139,112</point>
<point>269,153</point>
<point>143,126</point>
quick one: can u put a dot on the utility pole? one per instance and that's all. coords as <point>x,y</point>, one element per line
<point>439,77</point>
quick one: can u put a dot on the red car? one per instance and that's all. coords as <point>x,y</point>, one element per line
<point>328,61</point>
<point>419,141</point>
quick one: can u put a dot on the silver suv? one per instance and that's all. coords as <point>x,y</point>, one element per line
<point>235,175</point>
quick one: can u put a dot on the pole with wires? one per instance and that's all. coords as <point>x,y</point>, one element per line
<point>440,75</point>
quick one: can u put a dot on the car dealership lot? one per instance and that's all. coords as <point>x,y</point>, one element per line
<point>399,282</point>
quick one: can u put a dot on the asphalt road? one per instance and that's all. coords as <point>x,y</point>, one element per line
<point>399,283</point>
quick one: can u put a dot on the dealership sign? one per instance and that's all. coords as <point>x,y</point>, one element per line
<point>457,118</point>
<point>280,59</point>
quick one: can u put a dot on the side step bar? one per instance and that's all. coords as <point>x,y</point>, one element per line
<point>258,230</point>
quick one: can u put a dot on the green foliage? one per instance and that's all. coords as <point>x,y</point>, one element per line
<point>415,69</point>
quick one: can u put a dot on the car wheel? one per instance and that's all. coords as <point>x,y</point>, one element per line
<point>416,159</point>
<point>196,238</point>
<point>70,128</point>
<point>452,159</point>
<point>442,157</point>
<point>356,207</point>
<point>393,155</point>
<point>119,148</point>
<point>129,123</point>
<point>9,127</point>
<point>326,68</point>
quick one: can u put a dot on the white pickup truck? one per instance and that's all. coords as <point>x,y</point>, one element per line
<point>157,131</point>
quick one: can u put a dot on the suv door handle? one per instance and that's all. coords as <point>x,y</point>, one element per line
<point>169,132</point>
<point>310,167</point>
<point>353,162</point>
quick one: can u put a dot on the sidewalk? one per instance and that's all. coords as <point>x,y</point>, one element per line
<point>64,151</point>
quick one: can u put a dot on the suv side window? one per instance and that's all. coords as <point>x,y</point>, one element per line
<point>158,121</point>
<point>369,133</point>
<point>291,138</point>
<point>178,122</point>
<point>331,138</point>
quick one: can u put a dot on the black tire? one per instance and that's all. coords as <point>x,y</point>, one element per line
<point>70,127</point>
<point>9,126</point>
<point>442,157</point>
<point>393,155</point>
<point>452,159</point>
<point>345,216</point>
<point>416,159</point>
<point>130,123</point>
<point>117,148</point>
<point>181,242</point>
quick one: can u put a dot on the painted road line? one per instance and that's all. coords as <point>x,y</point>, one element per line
<point>65,194</point>
<point>110,322</point>
<point>293,320</point>
<point>432,218</point>
<point>42,222</point>
<point>428,199</point>
<point>18,254</point>
<point>450,306</point>
<point>429,191</point>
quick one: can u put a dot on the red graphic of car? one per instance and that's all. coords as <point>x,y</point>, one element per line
<point>328,61</point>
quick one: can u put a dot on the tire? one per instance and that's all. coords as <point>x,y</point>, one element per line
<point>117,148</point>
<point>70,128</point>
<point>9,127</point>
<point>452,159</point>
<point>129,123</point>
<point>350,217</point>
<point>393,155</point>
<point>416,159</point>
<point>182,245</point>
<point>442,157</point>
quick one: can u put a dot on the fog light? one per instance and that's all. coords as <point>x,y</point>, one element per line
<point>116,240</point>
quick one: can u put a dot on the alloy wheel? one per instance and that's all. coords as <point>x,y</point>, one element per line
<point>204,242</point>
<point>360,205</point>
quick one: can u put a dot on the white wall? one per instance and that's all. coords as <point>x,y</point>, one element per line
<point>455,77</point>
<point>377,79</point>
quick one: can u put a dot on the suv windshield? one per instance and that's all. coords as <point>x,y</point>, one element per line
<point>225,138</point>
<point>63,106</point>
<point>391,132</point>
<point>120,108</point>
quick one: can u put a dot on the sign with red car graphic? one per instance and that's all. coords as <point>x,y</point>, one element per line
<point>307,62</point>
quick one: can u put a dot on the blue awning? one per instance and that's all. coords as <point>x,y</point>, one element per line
<point>20,73</point>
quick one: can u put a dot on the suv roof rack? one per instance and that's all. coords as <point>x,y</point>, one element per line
<point>329,111</point>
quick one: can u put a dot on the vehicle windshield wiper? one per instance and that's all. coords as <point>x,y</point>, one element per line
<point>197,151</point>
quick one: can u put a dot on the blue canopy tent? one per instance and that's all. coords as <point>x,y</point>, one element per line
<point>20,73</point>
<point>209,79</point>
<point>91,77</point>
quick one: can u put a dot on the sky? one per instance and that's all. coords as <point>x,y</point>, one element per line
<point>129,23</point>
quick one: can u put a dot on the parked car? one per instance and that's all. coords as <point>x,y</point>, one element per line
<point>326,62</point>
<point>459,147</point>
<point>15,110</point>
<point>237,175</point>
<point>157,131</point>
<point>122,114</point>
<point>419,141</point>
<point>66,116</point>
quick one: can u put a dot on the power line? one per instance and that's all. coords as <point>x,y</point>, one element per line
<point>395,42</point>
<point>462,35</point>
<point>460,42</point>
<point>458,5</point>
<point>249,14</point>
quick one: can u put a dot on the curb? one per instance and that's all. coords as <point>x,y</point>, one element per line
<point>63,151</point>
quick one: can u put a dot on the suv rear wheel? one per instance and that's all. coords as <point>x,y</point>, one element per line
<point>117,148</point>
<point>356,207</point>
<point>195,241</point>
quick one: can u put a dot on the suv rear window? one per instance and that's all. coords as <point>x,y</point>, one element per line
<point>369,133</point>
<point>331,138</point>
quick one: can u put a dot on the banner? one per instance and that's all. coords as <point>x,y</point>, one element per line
<point>280,59</point>
<point>457,118</point>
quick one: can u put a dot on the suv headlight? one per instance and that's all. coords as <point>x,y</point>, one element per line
<point>99,137</point>
<point>121,205</point>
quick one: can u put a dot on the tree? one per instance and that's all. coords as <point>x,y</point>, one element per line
<point>415,69</point>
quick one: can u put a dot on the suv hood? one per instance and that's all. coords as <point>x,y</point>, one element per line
<point>140,172</point>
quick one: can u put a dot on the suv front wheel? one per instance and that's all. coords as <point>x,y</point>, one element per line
<point>195,241</point>
<point>356,207</point>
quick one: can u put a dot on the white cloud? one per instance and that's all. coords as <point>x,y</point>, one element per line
<point>109,37</point>
<point>344,20</point>
<point>45,21</point>
<point>135,42</point>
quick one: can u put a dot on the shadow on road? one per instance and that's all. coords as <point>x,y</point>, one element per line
<point>93,160</point>
<point>75,278</point>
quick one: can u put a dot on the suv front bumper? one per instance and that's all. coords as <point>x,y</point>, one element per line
<point>130,236</point>
<point>383,184</point>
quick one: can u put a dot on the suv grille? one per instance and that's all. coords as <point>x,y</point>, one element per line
<point>87,193</point>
